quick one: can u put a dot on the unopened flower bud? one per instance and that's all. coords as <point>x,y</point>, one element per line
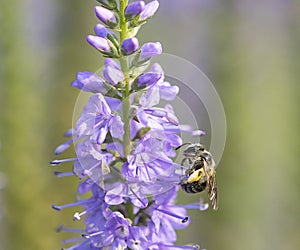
<point>134,9</point>
<point>99,43</point>
<point>100,30</point>
<point>149,10</point>
<point>149,50</point>
<point>130,45</point>
<point>106,16</point>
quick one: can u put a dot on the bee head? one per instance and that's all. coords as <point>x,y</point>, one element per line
<point>193,150</point>
<point>207,157</point>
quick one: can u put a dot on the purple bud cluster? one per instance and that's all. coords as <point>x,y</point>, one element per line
<point>125,143</point>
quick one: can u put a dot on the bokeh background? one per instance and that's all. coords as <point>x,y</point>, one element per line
<point>250,51</point>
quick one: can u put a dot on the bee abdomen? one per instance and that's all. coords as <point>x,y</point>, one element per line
<point>193,187</point>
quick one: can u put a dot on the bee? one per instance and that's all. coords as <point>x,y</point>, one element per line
<point>202,173</point>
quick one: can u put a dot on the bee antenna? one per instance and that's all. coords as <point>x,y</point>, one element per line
<point>187,143</point>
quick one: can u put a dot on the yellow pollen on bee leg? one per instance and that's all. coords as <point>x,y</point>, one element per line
<point>196,176</point>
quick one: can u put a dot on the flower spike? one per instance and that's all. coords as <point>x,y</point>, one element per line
<point>125,142</point>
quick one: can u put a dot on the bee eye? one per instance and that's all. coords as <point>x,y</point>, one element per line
<point>190,150</point>
<point>206,157</point>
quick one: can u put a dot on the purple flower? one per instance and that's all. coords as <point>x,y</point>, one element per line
<point>120,192</point>
<point>99,43</point>
<point>111,229</point>
<point>112,72</point>
<point>97,119</point>
<point>100,30</point>
<point>149,50</point>
<point>156,118</point>
<point>148,162</point>
<point>134,9</point>
<point>89,82</point>
<point>166,90</point>
<point>106,16</point>
<point>91,161</point>
<point>149,10</point>
<point>130,45</point>
<point>113,232</point>
<point>166,217</point>
<point>135,127</point>
<point>150,98</point>
<point>137,238</point>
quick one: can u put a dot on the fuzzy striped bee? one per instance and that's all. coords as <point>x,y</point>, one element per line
<point>202,173</point>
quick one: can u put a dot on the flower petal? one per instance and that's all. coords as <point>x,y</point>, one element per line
<point>89,82</point>
<point>116,127</point>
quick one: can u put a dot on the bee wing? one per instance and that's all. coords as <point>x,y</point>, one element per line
<point>212,191</point>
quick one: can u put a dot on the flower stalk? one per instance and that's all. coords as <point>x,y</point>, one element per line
<point>125,69</point>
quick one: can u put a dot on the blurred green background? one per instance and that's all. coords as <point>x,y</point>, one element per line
<point>251,52</point>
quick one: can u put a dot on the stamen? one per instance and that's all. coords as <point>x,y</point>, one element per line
<point>69,132</point>
<point>58,162</point>
<point>61,228</point>
<point>63,174</point>
<point>77,215</point>
<point>182,247</point>
<point>77,246</point>
<point>71,240</point>
<point>88,236</point>
<point>77,203</point>
<point>62,148</point>
<point>200,206</point>
<point>183,219</point>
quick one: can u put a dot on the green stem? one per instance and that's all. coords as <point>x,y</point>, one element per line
<point>123,24</point>
<point>125,94</point>
<point>125,69</point>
